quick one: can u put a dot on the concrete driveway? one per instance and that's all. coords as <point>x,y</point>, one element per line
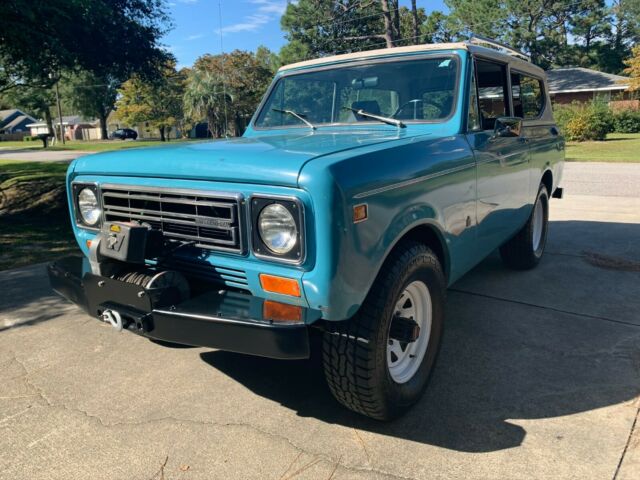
<point>538,377</point>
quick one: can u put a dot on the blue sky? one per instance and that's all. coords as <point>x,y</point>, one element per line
<point>246,24</point>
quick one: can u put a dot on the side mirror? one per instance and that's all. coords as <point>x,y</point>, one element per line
<point>507,127</point>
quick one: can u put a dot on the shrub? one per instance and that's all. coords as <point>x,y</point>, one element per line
<point>579,123</point>
<point>29,138</point>
<point>626,121</point>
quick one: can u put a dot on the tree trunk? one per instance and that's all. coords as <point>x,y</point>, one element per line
<point>162,138</point>
<point>388,24</point>
<point>49,120</point>
<point>395,15</point>
<point>103,127</point>
<point>414,15</point>
<point>211,125</point>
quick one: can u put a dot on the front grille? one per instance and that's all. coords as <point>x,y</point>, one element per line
<point>208,220</point>
<point>208,272</point>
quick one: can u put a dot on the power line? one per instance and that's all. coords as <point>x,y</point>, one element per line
<point>469,27</point>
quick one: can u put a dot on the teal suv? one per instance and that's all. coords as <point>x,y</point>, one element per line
<point>365,185</point>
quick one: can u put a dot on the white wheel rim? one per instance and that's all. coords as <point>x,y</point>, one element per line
<point>404,359</point>
<point>538,224</point>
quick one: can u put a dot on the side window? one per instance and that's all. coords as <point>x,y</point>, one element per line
<point>492,92</point>
<point>528,97</point>
<point>473,122</point>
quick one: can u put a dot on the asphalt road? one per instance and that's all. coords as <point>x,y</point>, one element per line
<point>40,155</point>
<point>538,377</point>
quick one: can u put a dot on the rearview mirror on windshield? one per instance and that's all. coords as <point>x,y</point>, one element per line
<point>368,82</point>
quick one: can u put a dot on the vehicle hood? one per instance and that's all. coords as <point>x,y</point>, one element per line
<point>269,159</point>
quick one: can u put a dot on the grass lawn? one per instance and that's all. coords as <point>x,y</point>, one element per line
<point>618,147</point>
<point>42,232</point>
<point>93,145</point>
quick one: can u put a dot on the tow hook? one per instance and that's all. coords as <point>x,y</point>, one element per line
<point>112,317</point>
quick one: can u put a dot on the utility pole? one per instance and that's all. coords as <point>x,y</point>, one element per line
<point>59,111</point>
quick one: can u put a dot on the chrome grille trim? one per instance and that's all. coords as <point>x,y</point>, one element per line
<point>212,220</point>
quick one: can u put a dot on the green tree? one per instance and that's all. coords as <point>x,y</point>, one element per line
<point>92,96</point>
<point>267,59</point>
<point>205,98</point>
<point>33,100</point>
<point>243,78</point>
<point>294,51</point>
<point>325,27</point>
<point>157,102</point>
<point>106,37</point>
<point>633,69</point>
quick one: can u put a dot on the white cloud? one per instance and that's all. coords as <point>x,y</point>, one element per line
<point>188,2</point>
<point>270,6</point>
<point>267,11</point>
<point>196,36</point>
<point>249,24</point>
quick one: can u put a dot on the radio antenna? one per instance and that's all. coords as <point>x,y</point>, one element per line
<point>224,76</point>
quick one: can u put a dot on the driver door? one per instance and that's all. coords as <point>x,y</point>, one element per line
<point>502,162</point>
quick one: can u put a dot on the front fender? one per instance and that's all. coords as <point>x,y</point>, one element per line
<point>434,186</point>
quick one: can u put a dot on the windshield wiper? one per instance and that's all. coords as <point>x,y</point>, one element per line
<point>387,120</point>
<point>297,115</point>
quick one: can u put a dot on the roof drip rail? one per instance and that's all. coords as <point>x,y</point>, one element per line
<point>484,41</point>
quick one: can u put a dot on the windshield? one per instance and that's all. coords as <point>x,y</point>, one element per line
<point>408,90</point>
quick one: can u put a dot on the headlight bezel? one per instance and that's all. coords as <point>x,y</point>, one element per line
<point>295,207</point>
<point>76,188</point>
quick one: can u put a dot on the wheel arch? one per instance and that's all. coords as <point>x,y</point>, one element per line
<point>428,233</point>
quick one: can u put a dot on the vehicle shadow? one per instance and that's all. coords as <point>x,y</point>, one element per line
<point>500,362</point>
<point>29,306</point>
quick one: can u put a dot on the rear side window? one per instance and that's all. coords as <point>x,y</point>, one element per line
<point>528,97</point>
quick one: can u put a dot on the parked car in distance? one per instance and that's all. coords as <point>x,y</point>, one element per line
<point>364,186</point>
<point>124,133</point>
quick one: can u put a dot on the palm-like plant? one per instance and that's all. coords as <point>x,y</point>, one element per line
<point>205,97</point>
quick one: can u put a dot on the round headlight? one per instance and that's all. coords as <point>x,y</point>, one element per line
<point>277,228</point>
<point>88,206</point>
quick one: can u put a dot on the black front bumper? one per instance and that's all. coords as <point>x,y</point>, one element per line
<point>218,319</point>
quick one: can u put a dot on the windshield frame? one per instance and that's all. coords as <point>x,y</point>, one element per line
<point>386,59</point>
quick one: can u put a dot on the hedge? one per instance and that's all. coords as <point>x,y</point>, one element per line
<point>593,121</point>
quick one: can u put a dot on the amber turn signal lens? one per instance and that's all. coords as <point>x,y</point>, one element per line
<point>360,213</point>
<point>281,312</point>
<point>88,243</point>
<point>284,286</point>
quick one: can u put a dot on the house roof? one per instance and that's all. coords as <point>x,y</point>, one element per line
<point>66,120</point>
<point>7,113</point>
<point>578,79</point>
<point>17,121</point>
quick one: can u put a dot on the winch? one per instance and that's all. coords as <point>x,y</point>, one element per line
<point>119,253</point>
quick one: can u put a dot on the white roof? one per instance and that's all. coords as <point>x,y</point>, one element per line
<point>377,53</point>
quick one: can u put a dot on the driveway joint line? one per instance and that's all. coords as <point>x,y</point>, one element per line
<point>626,446</point>
<point>543,307</point>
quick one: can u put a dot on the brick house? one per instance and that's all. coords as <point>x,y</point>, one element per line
<point>583,85</point>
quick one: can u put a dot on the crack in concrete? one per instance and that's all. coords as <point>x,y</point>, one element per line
<point>169,418</point>
<point>543,307</point>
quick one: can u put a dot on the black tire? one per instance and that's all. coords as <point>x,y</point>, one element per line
<point>355,351</point>
<point>520,253</point>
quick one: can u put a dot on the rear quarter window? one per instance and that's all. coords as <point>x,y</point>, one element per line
<point>528,96</point>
